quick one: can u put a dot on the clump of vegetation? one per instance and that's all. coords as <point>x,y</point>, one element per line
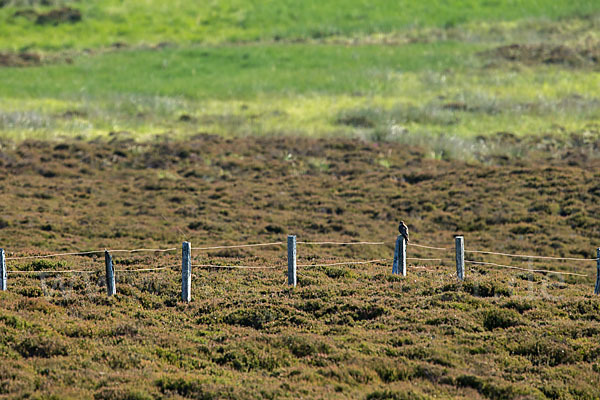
<point>257,318</point>
<point>500,318</point>
<point>4,223</point>
<point>44,264</point>
<point>44,345</point>
<point>548,351</point>
<point>487,288</point>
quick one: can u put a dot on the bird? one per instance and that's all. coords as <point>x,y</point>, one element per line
<point>403,229</point>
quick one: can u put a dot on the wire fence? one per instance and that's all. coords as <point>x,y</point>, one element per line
<point>85,253</point>
<point>459,259</point>
<point>530,256</point>
<point>525,269</point>
<point>68,271</point>
<point>272,244</point>
<point>239,246</point>
<point>342,243</point>
<point>427,247</point>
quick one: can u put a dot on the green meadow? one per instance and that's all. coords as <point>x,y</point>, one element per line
<point>105,22</point>
<point>375,70</point>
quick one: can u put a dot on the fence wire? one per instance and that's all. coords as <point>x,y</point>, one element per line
<point>310,243</point>
<point>342,263</point>
<point>341,243</point>
<point>68,271</point>
<point>83,253</point>
<point>236,266</point>
<point>524,269</point>
<point>427,247</point>
<point>238,246</point>
<point>143,269</point>
<point>529,256</point>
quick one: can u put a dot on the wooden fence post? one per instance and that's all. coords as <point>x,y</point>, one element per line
<point>291,250</point>
<point>399,265</point>
<point>110,274</point>
<point>186,272</point>
<point>460,257</point>
<point>597,290</point>
<point>3,274</point>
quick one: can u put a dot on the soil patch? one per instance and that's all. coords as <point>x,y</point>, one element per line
<point>20,59</point>
<point>16,3</point>
<point>550,54</point>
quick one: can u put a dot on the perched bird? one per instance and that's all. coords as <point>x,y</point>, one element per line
<point>403,229</point>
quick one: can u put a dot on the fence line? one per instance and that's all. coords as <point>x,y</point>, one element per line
<point>427,247</point>
<point>144,250</point>
<point>364,262</point>
<point>529,256</point>
<point>236,266</point>
<point>341,243</point>
<point>143,269</point>
<point>83,271</point>
<point>237,246</point>
<point>307,243</point>
<point>524,269</point>
<point>399,265</point>
<point>343,263</point>
<point>216,266</point>
<point>83,253</point>
<point>68,271</point>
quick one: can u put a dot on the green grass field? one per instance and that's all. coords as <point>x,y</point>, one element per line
<point>270,68</point>
<point>105,22</point>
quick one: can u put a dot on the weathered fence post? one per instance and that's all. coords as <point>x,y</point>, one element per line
<point>291,250</point>
<point>110,274</point>
<point>186,272</point>
<point>460,257</point>
<point>597,290</point>
<point>400,256</point>
<point>3,274</point>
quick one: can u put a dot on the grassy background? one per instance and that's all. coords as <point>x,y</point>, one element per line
<point>263,68</point>
<point>229,73</point>
<point>108,21</point>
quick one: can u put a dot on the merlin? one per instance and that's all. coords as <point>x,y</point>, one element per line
<point>403,229</point>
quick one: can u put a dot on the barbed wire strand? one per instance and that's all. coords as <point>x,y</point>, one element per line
<point>427,247</point>
<point>424,259</point>
<point>235,266</point>
<point>524,269</point>
<point>341,243</point>
<point>143,250</point>
<point>341,263</point>
<point>68,271</point>
<point>143,269</point>
<point>86,270</point>
<point>238,246</point>
<point>529,256</point>
<point>82,253</point>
